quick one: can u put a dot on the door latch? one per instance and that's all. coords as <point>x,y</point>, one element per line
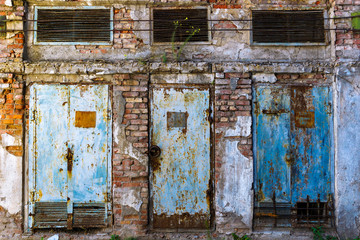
<point>155,151</point>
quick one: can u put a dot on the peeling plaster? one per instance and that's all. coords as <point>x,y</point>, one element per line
<point>10,176</point>
<point>264,77</point>
<point>8,3</point>
<point>242,127</point>
<point>130,198</point>
<point>234,191</point>
<point>120,140</point>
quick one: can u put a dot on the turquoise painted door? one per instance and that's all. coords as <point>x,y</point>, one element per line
<point>180,158</point>
<point>293,154</point>
<point>69,156</point>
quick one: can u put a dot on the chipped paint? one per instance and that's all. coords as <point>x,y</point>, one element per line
<point>181,174</point>
<point>293,162</point>
<point>58,143</point>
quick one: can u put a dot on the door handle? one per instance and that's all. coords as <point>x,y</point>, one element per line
<point>154,151</point>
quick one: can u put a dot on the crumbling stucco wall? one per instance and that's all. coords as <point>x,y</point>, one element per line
<point>347,183</point>
<point>348,142</point>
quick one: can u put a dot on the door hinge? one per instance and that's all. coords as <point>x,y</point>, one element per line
<point>108,115</point>
<point>34,113</point>
<point>32,196</point>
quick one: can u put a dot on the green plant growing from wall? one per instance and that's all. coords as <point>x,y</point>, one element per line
<point>191,32</point>
<point>236,237</point>
<point>115,237</point>
<point>319,232</point>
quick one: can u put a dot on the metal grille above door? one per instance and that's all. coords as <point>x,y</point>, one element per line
<point>73,25</point>
<point>288,27</point>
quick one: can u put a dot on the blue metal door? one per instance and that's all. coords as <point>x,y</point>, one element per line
<point>69,156</point>
<point>292,144</point>
<point>180,162</point>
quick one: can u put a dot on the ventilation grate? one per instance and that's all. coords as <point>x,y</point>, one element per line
<point>176,25</point>
<point>50,214</point>
<point>87,215</point>
<point>73,25</point>
<point>288,27</point>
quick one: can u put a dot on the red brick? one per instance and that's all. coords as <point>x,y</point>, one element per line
<point>130,94</point>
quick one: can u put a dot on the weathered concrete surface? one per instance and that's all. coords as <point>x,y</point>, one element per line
<point>10,188</point>
<point>348,141</point>
<point>234,192</point>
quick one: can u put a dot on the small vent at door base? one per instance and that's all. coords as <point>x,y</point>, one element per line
<point>50,214</point>
<point>88,215</point>
<point>303,214</point>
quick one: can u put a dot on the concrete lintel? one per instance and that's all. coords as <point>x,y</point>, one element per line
<point>271,67</point>
<point>182,78</point>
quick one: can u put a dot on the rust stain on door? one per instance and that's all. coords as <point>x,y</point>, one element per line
<point>69,156</point>
<point>181,173</point>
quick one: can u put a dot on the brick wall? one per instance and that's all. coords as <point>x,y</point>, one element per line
<point>347,41</point>
<point>130,174</point>
<point>124,37</point>
<point>11,46</point>
<point>232,99</point>
<point>12,109</point>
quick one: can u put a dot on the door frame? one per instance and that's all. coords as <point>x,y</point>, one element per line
<point>30,165</point>
<point>211,89</point>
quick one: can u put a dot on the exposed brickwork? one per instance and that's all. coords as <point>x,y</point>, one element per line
<point>11,46</point>
<point>232,99</point>
<point>124,37</point>
<point>10,225</point>
<point>12,110</point>
<point>129,173</point>
<point>306,78</point>
<point>347,43</point>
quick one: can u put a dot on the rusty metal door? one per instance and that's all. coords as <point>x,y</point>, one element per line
<point>180,158</point>
<point>69,156</point>
<point>293,144</point>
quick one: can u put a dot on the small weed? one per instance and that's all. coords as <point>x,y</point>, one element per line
<point>164,58</point>
<point>236,237</point>
<point>194,31</point>
<point>130,238</point>
<point>115,237</point>
<point>319,232</point>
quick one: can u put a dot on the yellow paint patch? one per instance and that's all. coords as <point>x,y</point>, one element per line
<point>85,119</point>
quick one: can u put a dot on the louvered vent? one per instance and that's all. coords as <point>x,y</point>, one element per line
<point>288,27</point>
<point>73,25</point>
<point>50,214</point>
<point>166,28</point>
<point>89,215</point>
<point>85,215</point>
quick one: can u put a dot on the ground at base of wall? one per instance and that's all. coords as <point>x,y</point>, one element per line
<point>268,235</point>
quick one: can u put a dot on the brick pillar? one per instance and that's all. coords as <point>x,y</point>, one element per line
<point>233,152</point>
<point>130,162</point>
